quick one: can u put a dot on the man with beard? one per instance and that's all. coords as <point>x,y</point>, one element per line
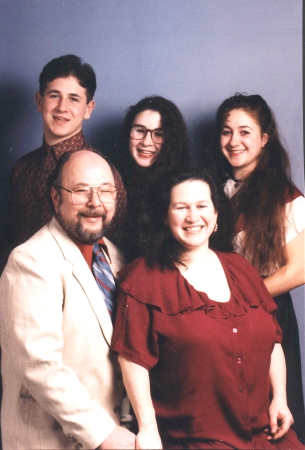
<point>62,386</point>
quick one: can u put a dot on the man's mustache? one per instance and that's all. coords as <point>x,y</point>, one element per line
<point>89,213</point>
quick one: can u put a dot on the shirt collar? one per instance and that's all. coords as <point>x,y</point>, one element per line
<point>75,142</point>
<point>86,250</point>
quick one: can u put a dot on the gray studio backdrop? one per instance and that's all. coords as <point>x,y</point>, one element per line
<point>194,52</point>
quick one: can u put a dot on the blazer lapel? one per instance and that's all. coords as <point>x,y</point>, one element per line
<point>84,276</point>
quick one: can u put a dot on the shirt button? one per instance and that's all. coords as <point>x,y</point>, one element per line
<point>241,389</point>
<point>234,330</point>
<point>239,360</point>
<point>245,417</point>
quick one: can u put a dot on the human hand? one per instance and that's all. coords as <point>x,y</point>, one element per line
<point>120,438</point>
<point>148,439</point>
<point>280,419</point>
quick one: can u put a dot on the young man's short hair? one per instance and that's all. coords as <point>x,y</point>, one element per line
<point>65,66</point>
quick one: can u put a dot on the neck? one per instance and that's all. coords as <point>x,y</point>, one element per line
<point>239,174</point>
<point>51,141</point>
<point>197,255</point>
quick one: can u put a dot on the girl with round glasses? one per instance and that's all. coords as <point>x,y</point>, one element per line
<point>155,140</point>
<point>269,213</point>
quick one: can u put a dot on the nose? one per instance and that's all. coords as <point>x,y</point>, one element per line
<point>62,104</point>
<point>192,215</point>
<point>147,140</point>
<point>94,200</point>
<point>235,140</point>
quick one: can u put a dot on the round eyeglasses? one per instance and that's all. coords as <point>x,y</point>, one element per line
<point>139,132</point>
<point>82,195</point>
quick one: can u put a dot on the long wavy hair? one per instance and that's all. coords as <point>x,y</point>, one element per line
<point>175,151</point>
<point>158,245</point>
<point>259,204</point>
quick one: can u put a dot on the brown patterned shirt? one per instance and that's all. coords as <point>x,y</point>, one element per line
<point>30,205</point>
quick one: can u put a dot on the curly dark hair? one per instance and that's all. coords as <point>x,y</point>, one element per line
<point>175,150</point>
<point>260,201</point>
<point>63,67</point>
<point>157,243</point>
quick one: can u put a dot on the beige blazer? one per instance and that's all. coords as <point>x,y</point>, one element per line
<point>61,382</point>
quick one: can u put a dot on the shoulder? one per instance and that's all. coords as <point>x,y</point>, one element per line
<point>139,280</point>
<point>167,291</point>
<point>244,276</point>
<point>295,217</point>
<point>35,254</point>
<point>232,258</point>
<point>293,194</point>
<point>238,265</point>
<point>26,161</point>
<point>28,157</point>
<point>38,241</point>
<point>134,270</point>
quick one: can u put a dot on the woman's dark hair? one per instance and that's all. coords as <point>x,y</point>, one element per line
<point>65,66</point>
<point>260,202</point>
<point>158,244</point>
<point>175,150</point>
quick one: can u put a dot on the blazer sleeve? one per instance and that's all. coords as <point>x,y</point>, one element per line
<point>32,302</point>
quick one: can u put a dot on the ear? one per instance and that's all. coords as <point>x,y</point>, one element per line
<point>89,109</point>
<point>265,138</point>
<point>55,198</point>
<point>38,99</point>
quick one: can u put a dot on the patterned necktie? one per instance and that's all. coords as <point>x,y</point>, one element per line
<point>104,278</point>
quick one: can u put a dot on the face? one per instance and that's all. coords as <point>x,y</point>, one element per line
<point>145,151</point>
<point>241,142</point>
<point>63,108</point>
<point>85,223</point>
<point>191,214</point>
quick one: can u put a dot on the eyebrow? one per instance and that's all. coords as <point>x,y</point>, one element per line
<point>186,203</point>
<point>143,126</point>
<point>55,91</point>
<point>241,126</point>
<point>88,185</point>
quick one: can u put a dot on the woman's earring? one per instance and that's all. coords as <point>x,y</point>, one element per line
<point>215,228</point>
<point>263,149</point>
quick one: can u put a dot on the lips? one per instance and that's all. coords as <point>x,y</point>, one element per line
<point>236,152</point>
<point>60,119</point>
<point>194,229</point>
<point>93,216</point>
<point>146,153</point>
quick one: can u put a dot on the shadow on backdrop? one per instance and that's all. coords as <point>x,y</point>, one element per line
<point>13,108</point>
<point>107,139</point>
<point>205,147</point>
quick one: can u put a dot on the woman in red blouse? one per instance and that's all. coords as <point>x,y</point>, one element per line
<point>196,333</point>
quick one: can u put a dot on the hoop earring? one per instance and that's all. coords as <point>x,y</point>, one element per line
<point>215,228</point>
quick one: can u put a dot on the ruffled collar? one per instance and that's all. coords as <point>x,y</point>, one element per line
<point>172,294</point>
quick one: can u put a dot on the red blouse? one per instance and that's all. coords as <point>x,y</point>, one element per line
<point>208,361</point>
